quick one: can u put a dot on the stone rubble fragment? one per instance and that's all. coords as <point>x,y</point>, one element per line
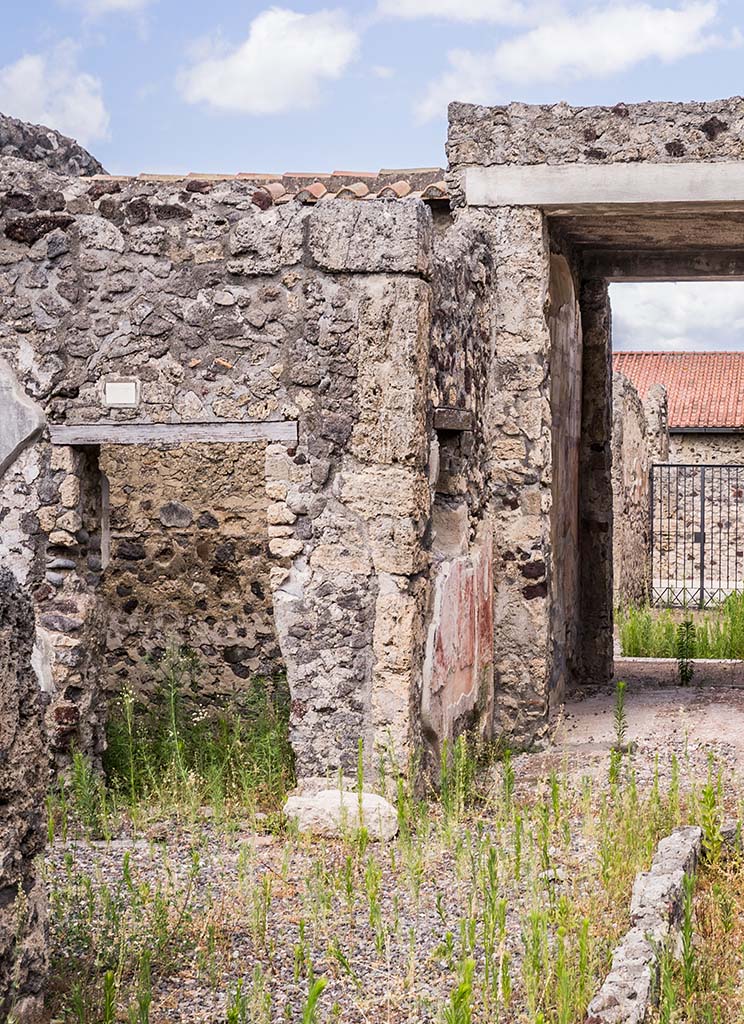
<point>336,812</point>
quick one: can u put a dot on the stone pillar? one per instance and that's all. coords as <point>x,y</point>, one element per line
<point>595,487</point>
<point>517,437</point>
<point>23,780</point>
<point>565,402</point>
<point>350,506</point>
<point>70,616</point>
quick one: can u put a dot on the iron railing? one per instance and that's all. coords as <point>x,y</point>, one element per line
<point>696,533</point>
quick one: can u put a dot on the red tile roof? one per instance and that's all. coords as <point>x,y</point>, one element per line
<point>425,183</point>
<point>704,389</point>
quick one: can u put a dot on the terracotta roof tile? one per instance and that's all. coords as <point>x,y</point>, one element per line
<point>416,183</point>
<point>704,389</point>
<point>355,190</point>
<point>396,190</point>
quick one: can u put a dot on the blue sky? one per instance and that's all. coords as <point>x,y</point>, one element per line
<point>232,85</point>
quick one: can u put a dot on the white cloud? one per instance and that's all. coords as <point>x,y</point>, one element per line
<point>50,89</point>
<point>382,71</point>
<point>497,11</point>
<point>594,44</point>
<point>279,67</point>
<point>678,315</point>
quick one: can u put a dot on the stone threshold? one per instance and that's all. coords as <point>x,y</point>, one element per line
<point>663,672</point>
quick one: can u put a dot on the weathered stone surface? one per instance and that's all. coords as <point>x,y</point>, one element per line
<point>21,419</point>
<point>559,134</point>
<point>175,513</point>
<point>639,438</point>
<point>332,812</point>
<point>45,145</point>
<point>458,665</point>
<point>23,780</point>
<point>726,448</point>
<point>384,237</point>
<point>30,229</point>
<point>655,911</point>
<point>266,241</point>
<point>201,575</point>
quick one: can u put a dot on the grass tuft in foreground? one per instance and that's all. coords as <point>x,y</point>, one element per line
<point>170,757</point>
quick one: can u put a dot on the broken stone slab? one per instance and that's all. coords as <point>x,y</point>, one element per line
<point>21,419</point>
<point>655,912</point>
<point>333,812</point>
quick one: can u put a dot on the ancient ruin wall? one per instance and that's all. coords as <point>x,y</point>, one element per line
<point>223,307</point>
<point>715,448</point>
<point>564,320</point>
<point>457,672</point>
<point>516,431</point>
<point>639,438</point>
<point>188,564</point>
<point>519,134</point>
<point>557,133</point>
<point>23,781</point>
<point>42,145</point>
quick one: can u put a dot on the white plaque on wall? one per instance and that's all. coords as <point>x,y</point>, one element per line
<point>121,394</point>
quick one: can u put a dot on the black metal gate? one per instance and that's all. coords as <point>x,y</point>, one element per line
<point>697,533</point>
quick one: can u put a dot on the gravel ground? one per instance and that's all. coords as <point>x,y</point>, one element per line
<point>319,899</point>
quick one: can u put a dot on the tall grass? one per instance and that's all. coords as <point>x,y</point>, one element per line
<point>171,749</point>
<point>653,632</point>
<point>647,632</point>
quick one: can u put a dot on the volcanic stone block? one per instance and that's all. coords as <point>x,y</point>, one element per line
<point>380,237</point>
<point>24,761</point>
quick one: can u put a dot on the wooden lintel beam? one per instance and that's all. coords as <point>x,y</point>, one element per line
<point>640,265</point>
<point>127,432</point>
<point>451,418</point>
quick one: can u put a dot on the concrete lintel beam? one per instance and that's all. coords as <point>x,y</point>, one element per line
<point>569,188</point>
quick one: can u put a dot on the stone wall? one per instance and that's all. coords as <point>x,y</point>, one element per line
<point>188,563</point>
<point>450,383</point>
<point>41,145</point>
<point>458,667</point>
<point>639,438</point>
<point>23,781</point>
<point>537,622</point>
<point>566,358</point>
<point>715,448</point>
<point>516,427</point>
<point>557,133</point>
<point>219,307</point>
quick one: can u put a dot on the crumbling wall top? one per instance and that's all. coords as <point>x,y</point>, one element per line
<point>43,145</point>
<point>522,133</point>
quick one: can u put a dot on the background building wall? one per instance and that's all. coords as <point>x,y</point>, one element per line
<point>706,447</point>
<point>639,438</point>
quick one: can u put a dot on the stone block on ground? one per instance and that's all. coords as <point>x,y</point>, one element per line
<point>655,910</point>
<point>332,812</point>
